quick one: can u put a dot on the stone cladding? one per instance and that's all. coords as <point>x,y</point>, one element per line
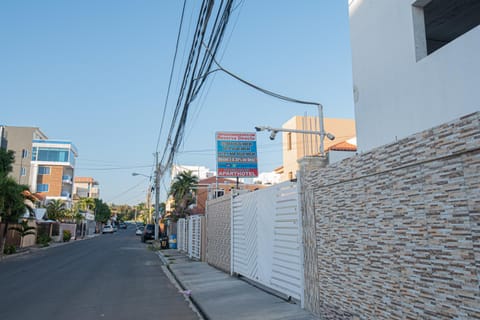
<point>218,232</point>
<point>395,233</point>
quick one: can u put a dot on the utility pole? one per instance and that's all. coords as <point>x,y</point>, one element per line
<point>157,193</point>
<point>149,206</point>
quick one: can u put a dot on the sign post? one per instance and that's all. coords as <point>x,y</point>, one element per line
<point>237,154</point>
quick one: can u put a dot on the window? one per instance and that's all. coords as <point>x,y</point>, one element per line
<point>289,141</point>
<point>43,170</point>
<point>23,171</point>
<point>438,22</point>
<point>42,188</point>
<point>51,154</point>
<point>24,153</point>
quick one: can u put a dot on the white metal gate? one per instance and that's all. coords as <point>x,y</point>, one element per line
<point>182,235</point>
<point>194,237</point>
<point>266,238</point>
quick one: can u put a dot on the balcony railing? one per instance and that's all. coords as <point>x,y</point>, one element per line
<point>67,179</point>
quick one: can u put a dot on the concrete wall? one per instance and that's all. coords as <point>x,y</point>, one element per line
<point>395,233</point>
<point>396,95</point>
<point>218,232</point>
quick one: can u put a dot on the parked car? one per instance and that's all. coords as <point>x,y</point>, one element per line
<point>122,225</point>
<point>148,232</point>
<point>107,229</point>
<point>139,231</point>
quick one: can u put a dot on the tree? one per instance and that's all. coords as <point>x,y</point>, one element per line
<point>13,196</point>
<point>7,158</point>
<point>56,209</point>
<point>182,192</point>
<point>86,204</point>
<point>102,211</point>
<point>24,230</point>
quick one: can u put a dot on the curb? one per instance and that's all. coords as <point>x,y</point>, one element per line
<point>179,283</point>
<point>33,249</point>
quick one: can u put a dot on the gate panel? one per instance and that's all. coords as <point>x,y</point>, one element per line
<point>181,235</point>
<point>266,238</point>
<point>195,237</point>
<point>287,270</point>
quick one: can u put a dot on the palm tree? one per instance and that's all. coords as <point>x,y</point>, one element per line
<point>86,204</point>
<point>24,230</point>
<point>12,204</point>
<point>182,191</point>
<point>56,209</point>
<point>7,158</point>
<point>13,196</point>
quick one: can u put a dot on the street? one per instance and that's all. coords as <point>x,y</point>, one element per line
<point>113,276</point>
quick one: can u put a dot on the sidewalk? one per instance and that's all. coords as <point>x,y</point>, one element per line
<point>220,296</point>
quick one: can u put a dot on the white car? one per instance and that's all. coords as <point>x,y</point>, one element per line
<point>139,231</point>
<point>107,229</point>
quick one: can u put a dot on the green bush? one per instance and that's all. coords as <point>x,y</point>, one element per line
<point>9,249</point>
<point>67,235</point>
<point>43,239</point>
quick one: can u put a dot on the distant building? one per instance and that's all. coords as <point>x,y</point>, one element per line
<point>342,150</point>
<point>20,140</point>
<point>53,168</point>
<point>86,187</point>
<point>46,166</point>
<point>268,178</point>
<point>415,66</point>
<point>214,187</point>
<point>198,171</point>
<point>297,145</point>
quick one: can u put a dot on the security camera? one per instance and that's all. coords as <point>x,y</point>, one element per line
<point>330,136</point>
<point>273,135</point>
<point>259,129</point>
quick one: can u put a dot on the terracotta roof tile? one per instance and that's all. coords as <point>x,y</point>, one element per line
<point>343,146</point>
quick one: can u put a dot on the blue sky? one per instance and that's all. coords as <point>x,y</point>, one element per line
<point>96,73</point>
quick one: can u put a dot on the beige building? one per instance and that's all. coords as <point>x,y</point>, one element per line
<point>20,140</point>
<point>298,145</point>
<point>86,187</point>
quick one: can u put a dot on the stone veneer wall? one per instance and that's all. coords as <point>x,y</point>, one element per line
<point>397,229</point>
<point>218,232</point>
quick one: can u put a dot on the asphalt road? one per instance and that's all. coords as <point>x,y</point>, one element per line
<point>113,276</point>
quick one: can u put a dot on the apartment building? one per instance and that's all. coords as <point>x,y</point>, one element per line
<point>20,140</point>
<point>86,187</point>
<point>53,168</point>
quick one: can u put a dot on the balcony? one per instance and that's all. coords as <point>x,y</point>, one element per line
<point>65,194</point>
<point>67,179</point>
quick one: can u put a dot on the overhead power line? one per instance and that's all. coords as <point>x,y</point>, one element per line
<point>199,62</point>
<point>171,75</point>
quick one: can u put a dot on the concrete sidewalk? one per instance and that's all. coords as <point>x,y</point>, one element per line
<point>220,296</point>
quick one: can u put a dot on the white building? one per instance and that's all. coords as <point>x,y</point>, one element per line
<point>415,65</point>
<point>268,178</point>
<point>53,169</point>
<point>199,171</point>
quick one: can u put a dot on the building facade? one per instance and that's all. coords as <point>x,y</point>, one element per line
<point>298,145</point>
<point>20,140</point>
<point>415,65</point>
<point>86,187</point>
<point>53,169</point>
<point>199,171</point>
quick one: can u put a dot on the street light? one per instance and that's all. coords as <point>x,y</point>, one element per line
<point>140,174</point>
<point>148,191</point>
